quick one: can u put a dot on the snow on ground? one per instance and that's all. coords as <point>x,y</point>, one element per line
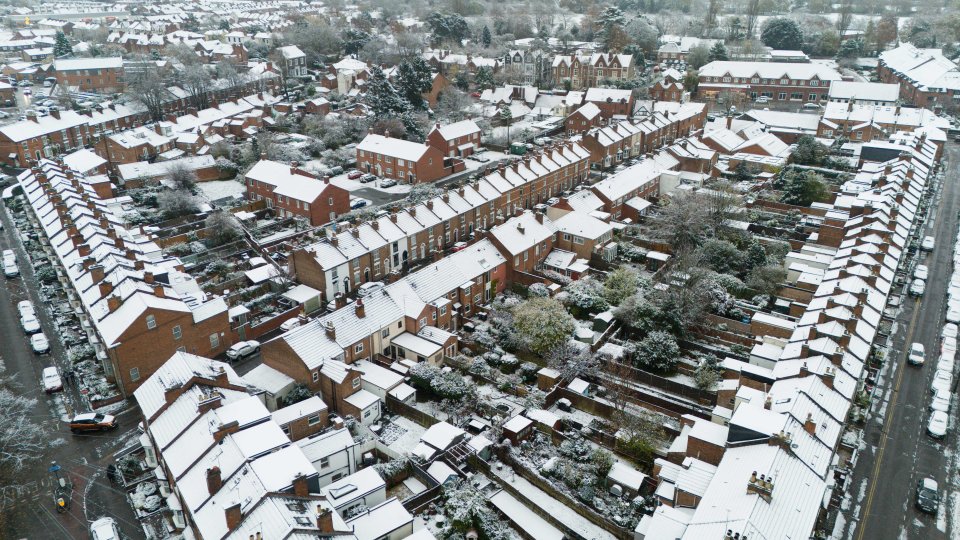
<point>551,506</point>
<point>491,155</point>
<point>405,435</point>
<point>533,524</point>
<point>342,181</point>
<point>220,189</point>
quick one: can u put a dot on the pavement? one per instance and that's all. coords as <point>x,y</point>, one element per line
<point>28,509</point>
<point>896,451</point>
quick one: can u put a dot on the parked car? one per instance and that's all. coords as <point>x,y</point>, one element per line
<point>92,422</point>
<point>940,401</point>
<point>942,379</point>
<point>104,528</point>
<point>8,254</point>
<point>354,174</point>
<point>388,182</point>
<point>953,313</point>
<point>460,246</point>
<point>921,272</point>
<point>243,349</point>
<point>51,380</point>
<point>917,354</point>
<point>39,343</point>
<point>290,324</point>
<point>937,425</point>
<point>928,243</point>
<point>811,106</point>
<point>358,203</point>
<point>30,323</point>
<point>367,178</point>
<point>947,362</point>
<point>369,288</point>
<point>928,495</point>
<point>25,307</point>
<point>763,99</point>
<point>918,287</point>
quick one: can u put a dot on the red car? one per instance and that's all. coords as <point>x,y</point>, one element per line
<point>475,95</point>
<point>353,175</point>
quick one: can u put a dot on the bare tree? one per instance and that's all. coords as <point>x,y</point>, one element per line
<point>571,360</point>
<point>196,81</point>
<point>845,17</point>
<point>22,441</point>
<point>228,71</point>
<point>638,432</point>
<point>682,222</point>
<point>720,202</point>
<point>222,228</point>
<point>752,12</point>
<point>182,177</point>
<point>148,88</point>
<point>713,10</point>
<point>176,203</point>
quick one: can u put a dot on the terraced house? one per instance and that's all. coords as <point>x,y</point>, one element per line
<point>778,81</point>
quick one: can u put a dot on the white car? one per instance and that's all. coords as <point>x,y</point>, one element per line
<point>921,272</point>
<point>949,330</point>
<point>243,349</point>
<point>369,288</point>
<point>928,243</point>
<point>25,307</point>
<point>39,343</point>
<point>918,287</point>
<point>104,528</point>
<point>953,313</point>
<point>937,425</point>
<point>946,363</point>
<point>942,380</point>
<point>51,380</point>
<point>9,254</point>
<point>948,346</point>
<point>917,354</point>
<point>940,401</point>
<point>10,268</point>
<point>30,324</point>
<point>290,324</point>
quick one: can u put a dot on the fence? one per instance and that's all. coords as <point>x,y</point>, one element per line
<point>690,393</point>
<point>398,407</point>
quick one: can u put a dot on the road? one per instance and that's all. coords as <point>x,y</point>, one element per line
<point>896,451</point>
<point>28,510</point>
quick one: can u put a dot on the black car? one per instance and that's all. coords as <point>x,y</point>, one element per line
<point>928,496</point>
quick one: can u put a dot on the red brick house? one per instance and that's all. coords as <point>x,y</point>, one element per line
<point>459,139</point>
<point>291,191</point>
<point>404,161</point>
<point>776,81</point>
<point>90,74</point>
<point>524,241</point>
<point>611,101</point>
<point>583,119</point>
<point>668,88</point>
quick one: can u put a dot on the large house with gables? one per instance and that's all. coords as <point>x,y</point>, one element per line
<point>582,71</point>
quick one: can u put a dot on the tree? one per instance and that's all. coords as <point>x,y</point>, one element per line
<point>682,222</point>
<point>572,359</point>
<point>22,440</point>
<point>447,27</point>
<point>462,80</point>
<point>382,97</point>
<point>707,374</point>
<point>227,71</point>
<point>196,81</point>
<point>801,188</point>
<point>657,352</point>
<point>698,56</point>
<point>610,29</point>
<point>147,88</point>
<point>638,431</point>
<point>453,105</point>
<point>752,11</point>
<point>718,52</point>
<point>222,228</point>
<point>755,257</point>
<point>174,204</point>
<point>484,78</point>
<point>354,40</point>
<point>844,17</point>
<point>543,324</point>
<point>415,78</point>
<point>851,48</point>
<point>506,117</point>
<point>485,37</point>
<point>809,151</point>
<point>721,256</point>
<point>781,33</point>
<point>61,45</point>
<point>766,280</point>
<point>620,284</point>
<point>182,177</point>
<point>886,31</point>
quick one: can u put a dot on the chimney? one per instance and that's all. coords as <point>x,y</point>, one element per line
<point>148,277</point>
<point>355,232</point>
<point>96,273</point>
<point>331,331</point>
<point>113,303</point>
<point>767,403</point>
<point>333,239</point>
<point>393,217</point>
<point>339,300</point>
<point>809,425</point>
<point>209,401</point>
<point>300,487</point>
<point>828,376</point>
<point>324,519</point>
<point>375,225</point>
<point>105,289</point>
<point>225,429</point>
<point>214,480</point>
<point>804,371</point>
<point>234,516</point>
<point>539,216</point>
<point>158,291</point>
<point>520,228</point>
<point>359,309</point>
<point>32,116</point>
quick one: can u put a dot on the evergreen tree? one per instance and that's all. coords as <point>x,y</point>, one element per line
<point>781,33</point>
<point>414,78</point>
<point>485,37</point>
<point>610,32</point>
<point>61,45</point>
<point>484,78</point>
<point>382,97</point>
<point>462,81</point>
<point>718,52</point>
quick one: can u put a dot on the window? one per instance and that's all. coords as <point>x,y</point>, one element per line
<point>814,83</point>
<point>385,333</point>
<point>356,382</point>
<point>324,462</point>
<point>313,419</point>
<point>813,97</point>
<point>306,206</point>
<point>443,310</point>
<point>214,341</point>
<point>134,374</point>
<point>358,348</point>
<point>578,240</point>
<point>177,332</point>
<point>401,163</point>
<point>476,299</point>
<point>782,96</point>
<point>151,322</point>
<point>330,201</point>
<point>316,376</point>
<point>423,322</point>
<point>434,315</point>
<point>366,413</point>
<point>286,430</point>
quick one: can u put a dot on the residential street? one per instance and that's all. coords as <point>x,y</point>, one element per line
<point>896,451</point>
<point>29,508</point>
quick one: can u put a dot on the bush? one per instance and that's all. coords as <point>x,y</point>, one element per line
<point>657,352</point>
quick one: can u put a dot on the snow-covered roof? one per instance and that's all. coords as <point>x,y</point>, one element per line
<point>442,435</point>
<point>770,70</point>
<point>300,409</point>
<point>582,225</point>
<point>626,475</point>
<point>389,146</point>
<point>269,379</point>
<point>357,485</point>
<point>378,376</point>
<point>457,129</point>
<point>74,64</point>
<point>417,344</point>
<point>517,424</point>
<point>288,181</point>
<point>928,69</point>
<point>865,91</point>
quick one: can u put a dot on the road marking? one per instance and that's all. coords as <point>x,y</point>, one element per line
<point>886,425</point>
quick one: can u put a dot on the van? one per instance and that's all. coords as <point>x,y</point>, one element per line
<point>104,528</point>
